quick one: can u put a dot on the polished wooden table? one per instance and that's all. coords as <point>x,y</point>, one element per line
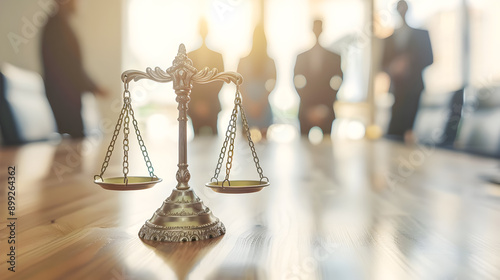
<point>336,210</point>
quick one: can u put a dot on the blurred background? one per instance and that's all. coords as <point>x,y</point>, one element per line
<point>119,35</point>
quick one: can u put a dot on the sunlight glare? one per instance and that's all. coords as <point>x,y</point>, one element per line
<point>160,126</point>
<point>355,130</point>
<point>300,81</point>
<point>335,82</point>
<point>282,133</point>
<point>255,134</point>
<point>315,135</point>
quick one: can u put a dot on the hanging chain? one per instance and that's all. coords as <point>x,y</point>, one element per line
<point>230,136</point>
<point>252,146</point>
<point>124,119</point>
<point>111,146</point>
<point>144,151</point>
<point>232,132</point>
<point>126,131</point>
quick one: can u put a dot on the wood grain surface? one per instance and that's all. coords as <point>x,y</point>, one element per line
<point>336,210</point>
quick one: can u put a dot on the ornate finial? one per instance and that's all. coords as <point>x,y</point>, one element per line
<point>182,49</point>
<point>182,59</point>
<point>182,69</point>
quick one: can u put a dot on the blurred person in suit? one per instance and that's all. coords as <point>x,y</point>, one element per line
<point>406,53</point>
<point>204,106</point>
<point>259,74</point>
<point>323,75</point>
<point>64,75</point>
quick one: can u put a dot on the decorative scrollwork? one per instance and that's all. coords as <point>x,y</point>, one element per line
<point>183,175</point>
<point>157,75</point>
<point>148,232</point>
<point>206,75</point>
<point>182,73</point>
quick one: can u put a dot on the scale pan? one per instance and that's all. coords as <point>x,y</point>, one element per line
<point>237,186</point>
<point>134,183</point>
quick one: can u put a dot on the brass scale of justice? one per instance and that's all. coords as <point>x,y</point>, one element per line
<point>182,216</point>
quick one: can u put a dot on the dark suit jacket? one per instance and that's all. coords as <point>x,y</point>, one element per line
<point>64,73</point>
<point>419,50</point>
<point>317,89</point>
<point>256,70</point>
<point>407,87</point>
<point>204,105</point>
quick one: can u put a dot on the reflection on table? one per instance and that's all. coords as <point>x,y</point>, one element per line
<point>335,210</point>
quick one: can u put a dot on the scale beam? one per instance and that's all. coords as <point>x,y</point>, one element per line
<point>182,73</point>
<point>203,76</point>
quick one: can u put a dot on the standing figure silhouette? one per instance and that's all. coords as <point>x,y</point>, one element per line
<point>204,106</point>
<point>64,75</point>
<point>323,74</point>
<point>406,53</point>
<point>258,69</point>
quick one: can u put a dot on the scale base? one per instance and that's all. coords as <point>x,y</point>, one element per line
<point>182,217</point>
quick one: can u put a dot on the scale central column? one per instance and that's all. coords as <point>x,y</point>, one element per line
<point>183,216</point>
<point>181,74</point>
<point>183,175</point>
